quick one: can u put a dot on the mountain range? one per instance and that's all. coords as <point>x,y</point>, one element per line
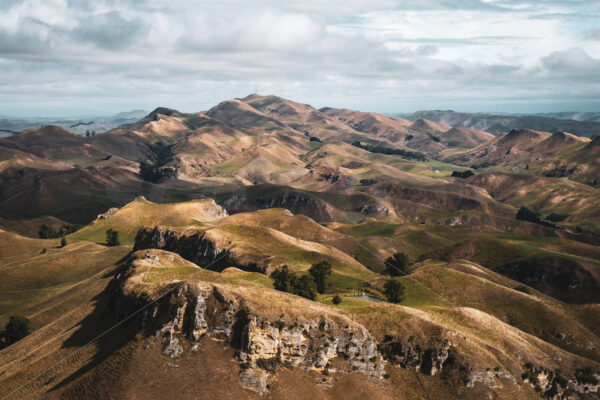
<point>224,218</point>
<point>585,124</point>
<point>10,125</point>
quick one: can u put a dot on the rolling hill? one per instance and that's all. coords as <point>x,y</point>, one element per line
<point>209,205</point>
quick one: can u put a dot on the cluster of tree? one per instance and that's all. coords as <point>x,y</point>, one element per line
<point>306,285</point>
<point>48,232</point>
<point>397,265</point>
<point>462,174</point>
<point>286,281</point>
<point>367,182</point>
<point>527,214</point>
<point>314,139</point>
<point>112,238</point>
<point>88,133</point>
<point>159,155</point>
<point>554,217</point>
<point>412,155</point>
<point>153,173</point>
<point>393,291</point>
<point>434,138</point>
<point>16,329</point>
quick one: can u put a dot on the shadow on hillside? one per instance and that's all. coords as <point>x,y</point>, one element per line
<point>100,328</point>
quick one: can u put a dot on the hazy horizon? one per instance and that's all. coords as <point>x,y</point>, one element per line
<point>49,117</point>
<point>109,114</point>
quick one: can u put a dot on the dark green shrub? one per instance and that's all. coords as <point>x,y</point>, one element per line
<point>393,291</point>
<point>527,214</point>
<point>462,174</point>
<point>305,286</point>
<point>320,271</point>
<point>286,281</point>
<point>557,217</point>
<point>336,299</point>
<point>16,329</point>
<point>523,288</point>
<point>282,279</point>
<point>397,265</point>
<point>112,238</point>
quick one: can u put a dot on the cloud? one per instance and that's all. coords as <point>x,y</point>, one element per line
<point>109,30</point>
<point>592,34</point>
<point>381,55</point>
<point>573,62</point>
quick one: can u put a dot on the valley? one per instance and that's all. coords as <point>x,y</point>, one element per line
<point>500,296</point>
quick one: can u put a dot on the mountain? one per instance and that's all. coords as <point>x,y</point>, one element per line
<point>223,220</point>
<point>10,126</point>
<point>497,123</point>
<point>574,115</point>
<point>560,154</point>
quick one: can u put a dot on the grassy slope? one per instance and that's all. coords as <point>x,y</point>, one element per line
<point>142,212</point>
<point>29,286</point>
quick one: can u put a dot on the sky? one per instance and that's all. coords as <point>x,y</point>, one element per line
<point>81,57</point>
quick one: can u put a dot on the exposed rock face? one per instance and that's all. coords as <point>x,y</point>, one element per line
<point>263,344</point>
<point>296,202</point>
<point>192,244</point>
<point>554,385</point>
<point>108,213</point>
<point>429,361</point>
<point>373,209</point>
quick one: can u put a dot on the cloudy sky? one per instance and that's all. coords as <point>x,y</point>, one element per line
<point>81,57</point>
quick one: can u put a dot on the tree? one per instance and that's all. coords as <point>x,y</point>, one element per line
<point>87,133</point>
<point>63,242</point>
<point>336,299</point>
<point>93,133</point>
<point>527,214</point>
<point>112,238</point>
<point>16,329</point>
<point>286,281</point>
<point>46,232</point>
<point>393,291</point>
<point>282,279</point>
<point>320,271</point>
<point>305,286</point>
<point>397,265</point>
<point>462,174</point>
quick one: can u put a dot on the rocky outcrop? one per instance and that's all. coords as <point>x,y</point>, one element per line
<point>429,360</point>
<point>192,244</point>
<point>108,213</point>
<point>552,384</point>
<point>263,344</point>
<point>295,201</point>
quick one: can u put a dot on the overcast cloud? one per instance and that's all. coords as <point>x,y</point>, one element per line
<point>78,57</point>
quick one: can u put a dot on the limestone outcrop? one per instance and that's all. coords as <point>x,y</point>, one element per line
<point>262,343</point>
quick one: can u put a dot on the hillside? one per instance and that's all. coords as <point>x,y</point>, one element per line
<point>560,154</point>
<point>253,258</point>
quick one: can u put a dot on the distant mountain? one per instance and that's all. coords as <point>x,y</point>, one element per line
<point>581,124</point>
<point>10,126</point>
<point>574,115</point>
